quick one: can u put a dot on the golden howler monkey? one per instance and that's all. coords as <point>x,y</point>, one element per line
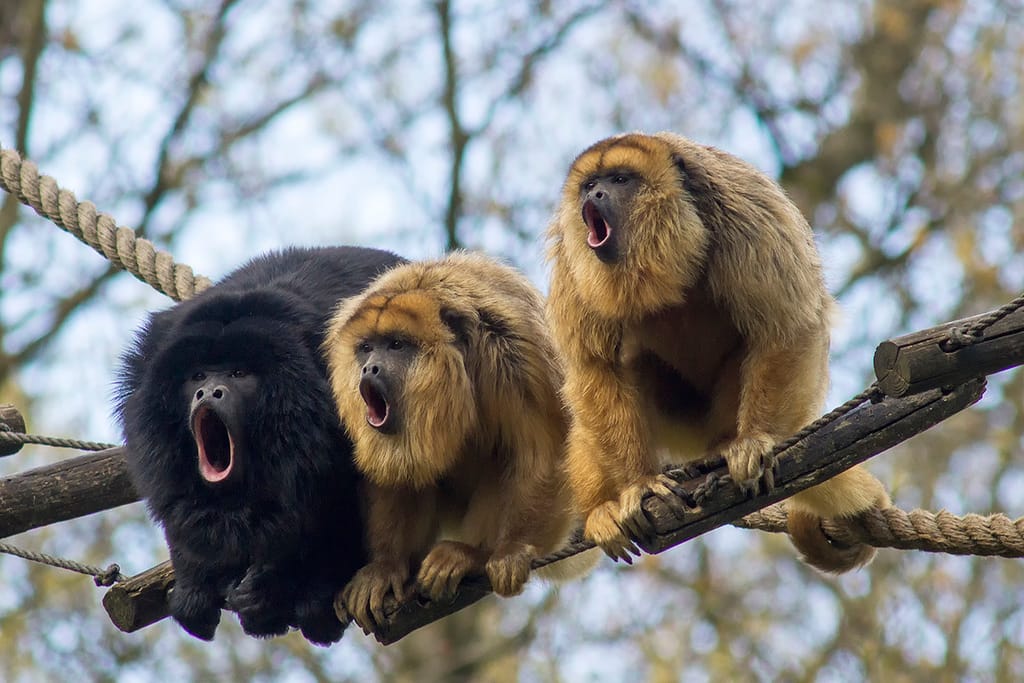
<point>688,300</point>
<point>233,442</point>
<point>446,379</point>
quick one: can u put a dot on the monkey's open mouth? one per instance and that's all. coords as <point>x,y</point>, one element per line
<point>599,230</point>
<point>378,410</point>
<point>215,445</point>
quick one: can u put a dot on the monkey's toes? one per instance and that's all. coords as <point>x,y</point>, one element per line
<point>602,527</point>
<point>197,612</point>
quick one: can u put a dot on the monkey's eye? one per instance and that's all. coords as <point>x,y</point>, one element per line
<point>396,344</point>
<point>620,179</point>
<point>199,376</point>
<point>238,373</point>
<point>589,185</point>
<point>364,347</point>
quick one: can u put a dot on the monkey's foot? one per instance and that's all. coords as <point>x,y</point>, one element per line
<point>602,527</point>
<point>317,618</point>
<point>263,610</point>
<point>631,516</point>
<point>445,566</point>
<point>363,597</point>
<point>509,568</point>
<point>745,459</point>
<point>197,611</point>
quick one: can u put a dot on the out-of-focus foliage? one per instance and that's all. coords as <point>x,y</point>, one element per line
<point>221,129</point>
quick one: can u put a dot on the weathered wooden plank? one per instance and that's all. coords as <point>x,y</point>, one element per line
<point>75,487</point>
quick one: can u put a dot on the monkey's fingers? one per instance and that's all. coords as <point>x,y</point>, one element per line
<point>445,566</point>
<point>340,610</point>
<point>602,527</point>
<point>378,592</point>
<point>634,520</point>
<point>357,603</point>
<point>440,583</point>
<point>744,457</point>
<point>509,572</point>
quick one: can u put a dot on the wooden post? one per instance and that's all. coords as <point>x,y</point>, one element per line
<point>13,421</point>
<point>921,361</point>
<point>141,600</point>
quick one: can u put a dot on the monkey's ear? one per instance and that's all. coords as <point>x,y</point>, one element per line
<point>695,178</point>
<point>458,323</point>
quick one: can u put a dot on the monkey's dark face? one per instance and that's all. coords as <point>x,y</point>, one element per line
<point>398,371</point>
<point>384,363</point>
<point>606,199</point>
<point>627,230</point>
<point>219,400</point>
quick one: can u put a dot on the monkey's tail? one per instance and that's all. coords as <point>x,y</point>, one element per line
<point>820,551</point>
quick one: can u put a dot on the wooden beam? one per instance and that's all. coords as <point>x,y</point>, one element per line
<point>71,488</point>
<point>839,445</point>
<point>13,421</point>
<point>140,600</point>
<point>923,360</point>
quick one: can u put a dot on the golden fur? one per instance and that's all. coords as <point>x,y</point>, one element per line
<point>707,331</point>
<point>473,481</point>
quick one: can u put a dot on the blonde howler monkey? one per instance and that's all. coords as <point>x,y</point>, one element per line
<point>688,301</point>
<point>447,382</point>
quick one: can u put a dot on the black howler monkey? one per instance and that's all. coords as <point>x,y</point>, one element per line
<point>234,444</point>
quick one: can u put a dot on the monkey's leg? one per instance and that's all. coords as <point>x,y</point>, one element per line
<point>196,599</point>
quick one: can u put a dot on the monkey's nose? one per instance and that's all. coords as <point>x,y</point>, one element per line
<point>372,369</point>
<point>217,393</point>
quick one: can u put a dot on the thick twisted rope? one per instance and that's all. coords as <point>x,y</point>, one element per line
<point>934,532</point>
<point>119,245</point>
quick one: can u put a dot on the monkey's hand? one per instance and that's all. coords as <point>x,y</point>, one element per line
<point>509,568</point>
<point>744,457</point>
<point>602,527</point>
<point>445,566</point>
<point>363,597</point>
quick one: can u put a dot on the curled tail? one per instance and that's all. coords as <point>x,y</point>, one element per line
<point>820,551</point>
<point>846,495</point>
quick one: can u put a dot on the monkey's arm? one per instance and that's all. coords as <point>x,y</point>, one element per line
<point>398,527</point>
<point>608,450</point>
<point>780,390</point>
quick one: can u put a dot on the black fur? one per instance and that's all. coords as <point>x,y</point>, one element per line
<point>278,542</point>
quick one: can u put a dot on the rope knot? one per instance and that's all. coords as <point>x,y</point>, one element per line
<point>109,576</point>
<point>961,337</point>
